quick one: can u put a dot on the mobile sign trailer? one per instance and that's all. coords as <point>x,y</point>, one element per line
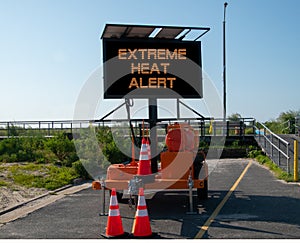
<point>156,62</point>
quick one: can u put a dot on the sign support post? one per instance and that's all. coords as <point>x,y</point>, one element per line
<point>153,133</point>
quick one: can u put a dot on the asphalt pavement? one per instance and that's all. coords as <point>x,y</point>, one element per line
<point>258,207</point>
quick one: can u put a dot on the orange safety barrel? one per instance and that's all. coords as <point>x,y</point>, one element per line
<point>180,137</point>
<point>174,139</point>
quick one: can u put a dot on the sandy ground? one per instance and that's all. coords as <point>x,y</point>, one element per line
<point>13,194</point>
<point>10,197</point>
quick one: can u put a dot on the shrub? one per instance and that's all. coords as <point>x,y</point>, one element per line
<point>235,144</point>
<point>10,146</point>
<point>266,161</point>
<point>80,170</point>
<point>59,177</point>
<point>109,147</point>
<point>63,148</point>
<point>21,149</point>
<point>113,154</point>
<point>43,176</point>
<point>253,152</point>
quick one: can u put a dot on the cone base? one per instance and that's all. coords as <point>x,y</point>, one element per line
<point>141,227</point>
<point>125,235</point>
<point>153,235</point>
<point>142,237</point>
<point>114,226</point>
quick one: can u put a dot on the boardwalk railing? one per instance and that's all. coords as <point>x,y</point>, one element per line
<point>274,146</point>
<point>205,127</point>
<point>39,128</point>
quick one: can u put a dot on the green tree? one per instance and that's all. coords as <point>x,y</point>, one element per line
<point>274,126</point>
<point>287,121</point>
<point>284,123</point>
<point>234,117</point>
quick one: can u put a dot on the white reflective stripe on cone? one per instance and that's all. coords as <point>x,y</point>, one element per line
<point>113,201</point>
<point>142,201</point>
<point>144,157</point>
<point>144,147</point>
<point>113,212</point>
<point>141,213</point>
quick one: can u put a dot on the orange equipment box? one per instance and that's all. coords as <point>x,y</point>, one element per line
<point>121,172</point>
<point>176,165</point>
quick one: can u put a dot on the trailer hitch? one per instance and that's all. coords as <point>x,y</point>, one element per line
<point>133,190</point>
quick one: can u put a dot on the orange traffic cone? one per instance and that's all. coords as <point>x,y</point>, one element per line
<point>114,226</point>
<point>141,225</point>
<point>144,167</point>
<point>133,162</point>
<point>148,148</point>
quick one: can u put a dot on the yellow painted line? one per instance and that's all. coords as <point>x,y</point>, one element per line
<point>211,219</point>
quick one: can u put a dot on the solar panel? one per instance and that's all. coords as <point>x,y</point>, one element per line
<point>169,33</point>
<point>113,31</point>
<point>139,32</point>
<point>149,31</point>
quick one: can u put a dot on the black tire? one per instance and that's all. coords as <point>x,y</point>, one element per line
<point>119,197</point>
<point>198,165</point>
<point>202,193</point>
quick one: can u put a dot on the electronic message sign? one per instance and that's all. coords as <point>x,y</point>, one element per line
<point>142,68</point>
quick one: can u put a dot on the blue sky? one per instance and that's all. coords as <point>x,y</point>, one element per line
<point>49,48</point>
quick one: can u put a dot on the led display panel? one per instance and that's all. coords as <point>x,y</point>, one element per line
<point>149,68</point>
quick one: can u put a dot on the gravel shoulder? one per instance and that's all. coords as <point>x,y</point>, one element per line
<point>10,197</point>
<point>40,201</point>
<point>14,193</point>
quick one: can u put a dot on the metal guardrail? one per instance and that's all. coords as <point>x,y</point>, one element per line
<point>274,146</point>
<point>205,127</point>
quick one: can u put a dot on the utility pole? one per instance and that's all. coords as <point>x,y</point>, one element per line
<point>224,70</point>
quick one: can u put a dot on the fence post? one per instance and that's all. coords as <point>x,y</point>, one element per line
<point>203,128</point>
<point>227,128</point>
<point>288,158</point>
<point>272,147</point>
<point>241,128</point>
<point>295,160</point>
<point>265,137</point>
<point>48,129</point>
<point>214,124</point>
<point>279,154</point>
<point>8,131</point>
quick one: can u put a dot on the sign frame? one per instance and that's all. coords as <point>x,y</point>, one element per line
<point>185,67</point>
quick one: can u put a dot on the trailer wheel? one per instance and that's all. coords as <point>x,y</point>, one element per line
<point>119,197</point>
<point>202,193</point>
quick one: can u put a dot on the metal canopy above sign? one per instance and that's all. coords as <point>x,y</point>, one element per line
<point>151,31</point>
